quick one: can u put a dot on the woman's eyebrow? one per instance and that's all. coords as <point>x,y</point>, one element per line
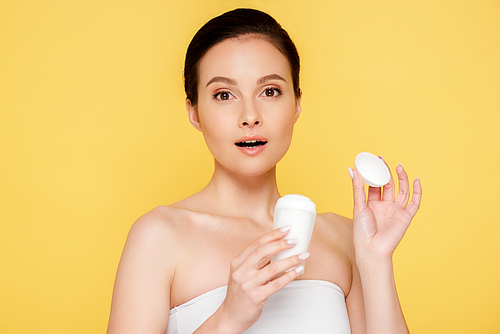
<point>222,79</point>
<point>270,77</point>
<point>234,82</point>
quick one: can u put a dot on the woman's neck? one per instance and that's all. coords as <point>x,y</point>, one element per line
<point>236,195</point>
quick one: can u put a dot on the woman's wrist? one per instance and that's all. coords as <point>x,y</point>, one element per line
<point>382,307</point>
<point>225,323</point>
<point>368,261</point>
<point>218,323</point>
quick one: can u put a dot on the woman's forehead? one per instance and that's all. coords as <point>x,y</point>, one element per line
<point>247,58</point>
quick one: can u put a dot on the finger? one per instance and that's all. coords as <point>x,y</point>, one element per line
<point>404,186</point>
<point>358,187</point>
<point>277,268</point>
<point>267,258</point>
<point>263,253</point>
<point>416,197</point>
<point>389,187</point>
<point>374,193</point>
<point>274,235</point>
<point>278,283</point>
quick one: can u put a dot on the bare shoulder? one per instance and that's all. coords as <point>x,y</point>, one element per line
<point>335,223</point>
<point>153,239</point>
<point>337,229</point>
<point>151,228</point>
<point>333,219</point>
<point>159,231</point>
<point>154,243</point>
<point>145,272</point>
<point>157,224</point>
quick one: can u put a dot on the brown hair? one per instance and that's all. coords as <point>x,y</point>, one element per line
<point>241,21</point>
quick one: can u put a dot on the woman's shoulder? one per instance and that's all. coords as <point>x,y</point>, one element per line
<point>157,229</point>
<point>334,218</point>
<point>161,222</point>
<point>167,224</point>
<point>335,229</point>
<point>334,222</point>
<point>148,264</point>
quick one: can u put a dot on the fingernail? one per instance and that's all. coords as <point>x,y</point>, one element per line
<point>350,172</point>
<point>400,165</point>
<point>381,157</point>
<point>303,256</point>
<point>285,228</point>
<point>291,241</point>
<point>299,270</point>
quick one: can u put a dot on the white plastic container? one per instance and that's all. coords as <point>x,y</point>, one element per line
<point>372,169</point>
<point>300,213</point>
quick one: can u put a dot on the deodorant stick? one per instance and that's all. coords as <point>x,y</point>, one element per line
<point>300,213</point>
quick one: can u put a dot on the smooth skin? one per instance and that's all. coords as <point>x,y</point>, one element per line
<point>223,234</point>
<point>379,223</point>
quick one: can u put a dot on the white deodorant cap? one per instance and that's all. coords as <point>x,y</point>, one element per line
<point>372,169</point>
<point>297,202</point>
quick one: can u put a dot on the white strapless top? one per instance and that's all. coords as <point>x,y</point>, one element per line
<point>303,306</point>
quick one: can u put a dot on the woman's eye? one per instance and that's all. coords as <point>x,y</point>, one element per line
<point>222,96</point>
<point>272,92</point>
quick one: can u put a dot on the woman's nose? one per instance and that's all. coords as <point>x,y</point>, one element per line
<point>250,117</point>
<point>250,123</point>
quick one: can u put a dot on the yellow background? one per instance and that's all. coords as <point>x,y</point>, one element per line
<point>93,133</point>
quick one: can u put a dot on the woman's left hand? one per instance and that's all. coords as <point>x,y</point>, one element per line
<point>381,220</point>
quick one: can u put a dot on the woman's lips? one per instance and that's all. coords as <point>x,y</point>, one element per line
<point>252,150</point>
<point>251,145</point>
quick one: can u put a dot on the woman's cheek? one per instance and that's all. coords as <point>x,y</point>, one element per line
<point>215,137</point>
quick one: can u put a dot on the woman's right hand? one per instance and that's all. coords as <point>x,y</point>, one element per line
<point>251,282</point>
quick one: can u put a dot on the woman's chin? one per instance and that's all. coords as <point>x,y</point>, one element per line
<point>252,169</point>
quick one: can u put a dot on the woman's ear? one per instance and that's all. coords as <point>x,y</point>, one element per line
<point>298,108</point>
<point>193,115</point>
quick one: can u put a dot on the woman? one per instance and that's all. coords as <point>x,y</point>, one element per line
<point>202,264</point>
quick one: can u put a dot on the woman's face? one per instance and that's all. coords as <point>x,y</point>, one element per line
<point>246,104</point>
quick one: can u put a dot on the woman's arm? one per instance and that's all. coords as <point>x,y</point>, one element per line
<point>379,223</point>
<point>382,308</point>
<point>141,295</point>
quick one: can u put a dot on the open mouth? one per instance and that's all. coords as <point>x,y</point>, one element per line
<point>251,143</point>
